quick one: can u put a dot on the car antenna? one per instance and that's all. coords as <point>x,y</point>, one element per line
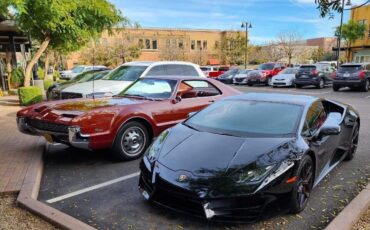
<point>93,83</point>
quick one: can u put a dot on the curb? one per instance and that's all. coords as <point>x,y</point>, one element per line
<point>27,198</point>
<point>349,216</point>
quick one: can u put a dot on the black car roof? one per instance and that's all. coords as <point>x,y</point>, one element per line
<point>276,97</point>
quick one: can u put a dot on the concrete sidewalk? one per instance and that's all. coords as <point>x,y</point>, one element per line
<point>16,149</point>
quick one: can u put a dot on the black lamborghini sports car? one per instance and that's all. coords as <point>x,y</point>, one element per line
<point>234,158</point>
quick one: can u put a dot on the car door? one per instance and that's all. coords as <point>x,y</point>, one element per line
<point>323,146</point>
<point>195,95</point>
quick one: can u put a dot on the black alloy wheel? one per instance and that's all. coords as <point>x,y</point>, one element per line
<point>354,142</point>
<point>303,186</point>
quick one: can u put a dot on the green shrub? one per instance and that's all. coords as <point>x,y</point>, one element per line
<point>29,95</point>
<point>48,83</point>
<point>17,76</point>
<point>56,75</point>
<point>40,73</point>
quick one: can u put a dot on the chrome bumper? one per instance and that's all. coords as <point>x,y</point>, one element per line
<point>77,139</point>
<point>74,135</point>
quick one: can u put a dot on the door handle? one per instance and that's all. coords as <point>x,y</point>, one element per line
<point>211,101</point>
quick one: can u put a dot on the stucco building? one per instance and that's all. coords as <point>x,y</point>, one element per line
<point>360,49</point>
<point>195,45</point>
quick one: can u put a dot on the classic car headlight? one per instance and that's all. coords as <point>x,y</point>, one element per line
<point>253,175</point>
<point>156,147</point>
<point>99,95</point>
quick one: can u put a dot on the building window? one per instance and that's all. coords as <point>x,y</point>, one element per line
<point>199,44</point>
<point>192,44</point>
<point>154,44</point>
<point>181,44</point>
<point>205,45</point>
<point>147,44</point>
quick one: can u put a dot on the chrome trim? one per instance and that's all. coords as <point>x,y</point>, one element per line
<point>77,139</point>
<point>23,127</point>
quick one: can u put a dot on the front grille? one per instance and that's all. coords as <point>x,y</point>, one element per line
<point>68,95</point>
<point>279,83</point>
<point>239,79</point>
<point>47,126</point>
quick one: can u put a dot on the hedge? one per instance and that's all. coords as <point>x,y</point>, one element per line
<point>48,83</point>
<point>29,95</point>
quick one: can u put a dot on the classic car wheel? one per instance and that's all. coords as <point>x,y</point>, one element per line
<point>303,186</point>
<point>131,141</point>
<point>354,142</point>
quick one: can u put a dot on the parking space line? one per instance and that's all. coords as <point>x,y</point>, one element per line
<point>88,189</point>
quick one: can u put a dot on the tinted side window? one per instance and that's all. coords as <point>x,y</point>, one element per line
<point>156,71</point>
<point>189,70</point>
<point>315,117</point>
<point>200,88</point>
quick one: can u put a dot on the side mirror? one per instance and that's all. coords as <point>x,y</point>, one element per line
<point>329,129</point>
<point>177,99</point>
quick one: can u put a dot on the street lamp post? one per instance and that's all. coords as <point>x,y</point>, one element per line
<point>340,30</point>
<point>247,26</point>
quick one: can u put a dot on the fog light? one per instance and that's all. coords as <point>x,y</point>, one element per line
<point>209,212</point>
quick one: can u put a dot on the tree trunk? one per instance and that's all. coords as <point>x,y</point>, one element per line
<point>47,57</point>
<point>8,59</point>
<point>44,45</point>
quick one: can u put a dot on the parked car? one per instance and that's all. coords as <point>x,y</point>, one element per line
<point>285,78</point>
<point>55,92</point>
<point>231,161</point>
<point>242,77</point>
<point>127,122</point>
<point>71,74</point>
<point>214,71</point>
<point>353,75</point>
<point>318,75</point>
<point>228,76</point>
<point>124,75</point>
<point>264,73</point>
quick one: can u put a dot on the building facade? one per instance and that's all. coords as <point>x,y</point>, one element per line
<point>198,46</point>
<point>326,43</point>
<point>360,49</point>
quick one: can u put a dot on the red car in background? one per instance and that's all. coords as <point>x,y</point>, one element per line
<point>264,73</point>
<point>127,122</point>
<point>214,71</point>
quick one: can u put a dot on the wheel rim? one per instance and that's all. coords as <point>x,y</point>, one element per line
<point>321,83</point>
<point>367,85</point>
<point>304,184</point>
<point>133,141</point>
<point>269,81</point>
<point>354,141</point>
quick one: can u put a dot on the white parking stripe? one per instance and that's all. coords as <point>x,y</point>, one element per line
<point>88,189</point>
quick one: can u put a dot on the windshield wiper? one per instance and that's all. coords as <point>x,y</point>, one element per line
<point>138,96</point>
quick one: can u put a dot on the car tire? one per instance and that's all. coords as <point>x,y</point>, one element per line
<point>298,86</point>
<point>250,84</point>
<point>268,82</point>
<point>365,86</point>
<point>303,185</point>
<point>354,142</point>
<point>336,88</point>
<point>321,84</point>
<point>274,86</point>
<point>131,141</point>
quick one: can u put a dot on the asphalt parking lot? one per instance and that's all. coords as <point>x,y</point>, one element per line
<point>93,187</point>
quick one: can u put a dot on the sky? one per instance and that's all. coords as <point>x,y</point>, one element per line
<point>268,17</point>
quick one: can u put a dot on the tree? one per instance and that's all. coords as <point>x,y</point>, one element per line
<point>351,31</point>
<point>289,41</point>
<point>172,51</point>
<point>62,24</point>
<point>317,54</point>
<point>326,7</point>
<point>232,49</point>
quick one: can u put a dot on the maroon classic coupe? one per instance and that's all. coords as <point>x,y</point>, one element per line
<point>127,122</point>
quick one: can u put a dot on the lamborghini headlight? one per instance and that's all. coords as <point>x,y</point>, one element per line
<point>253,175</point>
<point>156,147</point>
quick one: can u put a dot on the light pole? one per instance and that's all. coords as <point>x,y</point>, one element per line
<point>340,30</point>
<point>247,26</point>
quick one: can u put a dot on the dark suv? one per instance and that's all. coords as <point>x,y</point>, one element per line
<point>353,75</point>
<point>318,75</point>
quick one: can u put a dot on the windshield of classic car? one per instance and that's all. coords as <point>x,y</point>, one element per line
<point>248,119</point>
<point>151,88</point>
<point>125,73</point>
